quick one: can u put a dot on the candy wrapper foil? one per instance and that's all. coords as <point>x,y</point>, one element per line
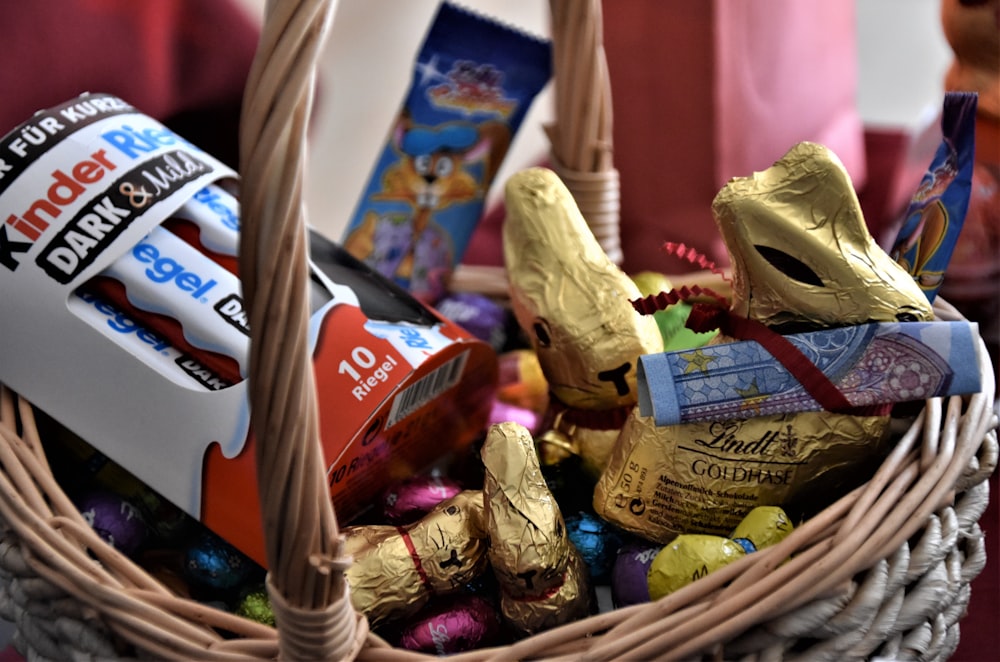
<point>762,527</point>
<point>411,499</point>
<point>571,600</point>
<point>688,558</point>
<point>801,252</point>
<point>453,625</point>
<point>529,549</point>
<point>705,477</point>
<point>395,570</point>
<point>570,299</point>
<point>543,579</point>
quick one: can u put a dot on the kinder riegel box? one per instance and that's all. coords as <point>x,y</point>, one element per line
<point>124,321</point>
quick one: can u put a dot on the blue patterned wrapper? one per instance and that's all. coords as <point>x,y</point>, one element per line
<point>870,364</point>
<point>473,82</point>
<point>937,210</point>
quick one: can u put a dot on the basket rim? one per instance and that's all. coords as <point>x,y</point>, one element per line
<point>853,534</point>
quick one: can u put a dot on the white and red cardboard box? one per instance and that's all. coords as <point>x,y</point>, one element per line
<point>81,184</point>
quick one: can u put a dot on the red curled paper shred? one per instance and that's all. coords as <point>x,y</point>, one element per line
<point>692,256</point>
<point>657,302</point>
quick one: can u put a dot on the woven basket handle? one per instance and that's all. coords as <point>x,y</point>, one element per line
<point>305,580</point>
<point>303,545</point>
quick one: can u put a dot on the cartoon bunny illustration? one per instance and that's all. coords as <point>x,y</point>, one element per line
<point>431,174</point>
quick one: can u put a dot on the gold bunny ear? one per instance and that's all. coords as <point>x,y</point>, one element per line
<point>570,298</point>
<point>801,252</point>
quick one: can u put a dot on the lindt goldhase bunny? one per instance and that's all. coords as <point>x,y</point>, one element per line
<point>802,259</point>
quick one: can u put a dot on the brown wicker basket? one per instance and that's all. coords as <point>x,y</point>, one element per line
<point>883,571</point>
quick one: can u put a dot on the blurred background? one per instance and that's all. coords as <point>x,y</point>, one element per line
<point>891,56</point>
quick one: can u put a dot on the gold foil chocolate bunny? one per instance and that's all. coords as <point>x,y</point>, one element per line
<point>802,259</point>
<point>396,570</point>
<point>543,579</point>
<point>573,303</point>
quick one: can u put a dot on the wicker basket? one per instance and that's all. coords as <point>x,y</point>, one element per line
<point>883,571</point>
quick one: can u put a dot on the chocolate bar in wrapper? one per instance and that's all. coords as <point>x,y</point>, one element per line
<point>802,259</point>
<point>542,577</point>
<point>397,569</point>
<point>936,213</point>
<point>473,82</point>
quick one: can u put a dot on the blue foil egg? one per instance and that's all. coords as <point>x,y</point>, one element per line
<point>213,563</point>
<point>596,540</point>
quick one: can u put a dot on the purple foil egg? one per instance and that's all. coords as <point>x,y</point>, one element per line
<point>411,499</point>
<point>452,625</point>
<point>628,576</point>
<point>478,314</point>
<point>115,519</point>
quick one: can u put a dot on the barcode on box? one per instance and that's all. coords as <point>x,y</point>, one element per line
<point>427,388</point>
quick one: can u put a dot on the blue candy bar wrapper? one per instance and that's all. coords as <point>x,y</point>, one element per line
<point>473,82</point>
<point>937,210</point>
<point>870,364</point>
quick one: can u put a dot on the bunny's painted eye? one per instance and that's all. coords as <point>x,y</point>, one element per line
<point>541,330</point>
<point>422,164</point>
<point>444,166</point>
<point>791,266</point>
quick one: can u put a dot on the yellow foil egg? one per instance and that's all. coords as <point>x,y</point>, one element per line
<point>688,558</point>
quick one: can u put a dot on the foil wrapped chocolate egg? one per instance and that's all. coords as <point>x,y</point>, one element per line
<point>115,519</point>
<point>689,558</point>
<point>213,563</point>
<point>452,625</point>
<point>503,412</point>
<point>478,314</point>
<point>671,320</point>
<point>168,524</point>
<point>596,540</point>
<point>630,572</point>
<point>255,605</point>
<point>408,501</point>
<point>521,381</point>
<point>762,527</point>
